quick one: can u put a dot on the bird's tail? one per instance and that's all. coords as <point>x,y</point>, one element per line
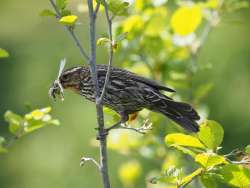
<point>181,113</point>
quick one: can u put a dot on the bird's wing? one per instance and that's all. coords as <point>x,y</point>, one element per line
<point>124,73</point>
<point>152,83</point>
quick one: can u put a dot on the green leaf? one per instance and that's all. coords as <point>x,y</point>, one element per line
<point>184,150</point>
<point>3,53</point>
<point>103,41</point>
<point>183,140</point>
<point>247,149</point>
<point>61,4</point>
<point>2,148</point>
<point>236,175</point>
<point>15,122</point>
<point>211,134</point>
<point>118,7</point>
<point>191,176</point>
<point>208,160</point>
<point>65,12</point>
<point>47,12</point>
<point>39,118</point>
<point>109,112</point>
<point>68,20</point>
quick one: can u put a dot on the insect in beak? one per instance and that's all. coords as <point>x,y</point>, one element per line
<point>57,88</point>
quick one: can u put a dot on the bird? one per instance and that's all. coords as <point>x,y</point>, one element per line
<point>127,93</point>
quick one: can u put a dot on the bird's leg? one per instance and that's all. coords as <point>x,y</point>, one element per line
<point>124,119</point>
<point>115,125</point>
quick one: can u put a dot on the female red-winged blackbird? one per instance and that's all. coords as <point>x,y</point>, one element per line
<point>127,93</point>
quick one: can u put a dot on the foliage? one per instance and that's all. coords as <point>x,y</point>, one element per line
<point>20,125</point>
<point>3,53</point>
<point>68,20</point>
<point>163,43</point>
<point>211,164</point>
<point>160,40</point>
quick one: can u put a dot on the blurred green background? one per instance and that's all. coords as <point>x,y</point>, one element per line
<point>50,157</point>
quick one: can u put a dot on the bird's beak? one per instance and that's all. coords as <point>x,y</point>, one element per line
<point>56,89</point>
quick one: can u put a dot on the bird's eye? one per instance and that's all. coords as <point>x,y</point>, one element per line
<point>65,77</point>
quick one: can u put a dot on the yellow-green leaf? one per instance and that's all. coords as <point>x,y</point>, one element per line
<point>211,134</point>
<point>247,149</point>
<point>47,12</point>
<point>133,24</point>
<point>183,140</point>
<point>15,122</point>
<point>118,7</point>
<point>184,150</point>
<point>208,160</point>
<point>68,20</point>
<point>3,53</point>
<point>102,41</point>
<point>213,4</point>
<point>129,172</point>
<point>236,175</point>
<point>209,181</point>
<point>61,4</point>
<point>186,19</point>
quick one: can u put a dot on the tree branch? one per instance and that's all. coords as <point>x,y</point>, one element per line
<point>71,32</point>
<point>99,108</point>
<point>92,64</point>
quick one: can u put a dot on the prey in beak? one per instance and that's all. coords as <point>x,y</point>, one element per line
<point>57,88</point>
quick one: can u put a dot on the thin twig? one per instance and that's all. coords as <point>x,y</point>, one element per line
<point>97,8</point>
<point>147,126</point>
<point>71,32</point>
<point>232,153</point>
<point>244,161</point>
<point>85,159</point>
<point>141,130</point>
<point>109,21</point>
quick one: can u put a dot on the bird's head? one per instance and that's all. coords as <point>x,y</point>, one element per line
<point>68,79</point>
